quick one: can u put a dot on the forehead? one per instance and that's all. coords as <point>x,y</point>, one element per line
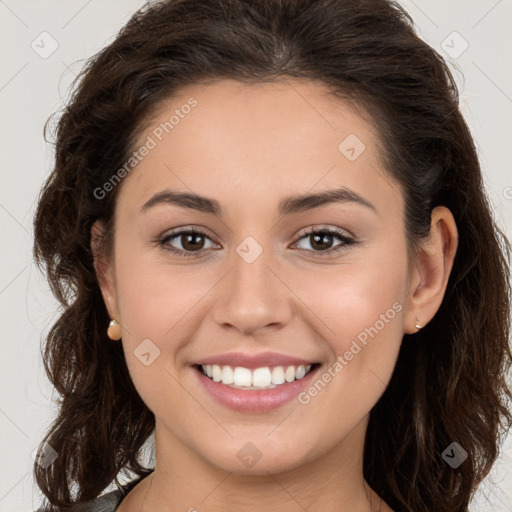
<point>276,113</point>
<point>229,137</point>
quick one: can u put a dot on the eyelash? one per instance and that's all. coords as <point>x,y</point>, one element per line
<point>347,241</point>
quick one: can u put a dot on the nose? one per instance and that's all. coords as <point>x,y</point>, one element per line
<point>253,297</point>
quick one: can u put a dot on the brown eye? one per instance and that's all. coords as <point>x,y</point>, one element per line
<point>191,241</point>
<point>321,240</point>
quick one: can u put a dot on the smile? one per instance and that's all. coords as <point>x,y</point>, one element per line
<point>258,390</point>
<point>265,377</point>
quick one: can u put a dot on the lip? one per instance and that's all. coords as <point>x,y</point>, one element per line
<point>253,361</point>
<point>254,401</point>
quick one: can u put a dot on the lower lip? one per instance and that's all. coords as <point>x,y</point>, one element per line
<point>253,401</point>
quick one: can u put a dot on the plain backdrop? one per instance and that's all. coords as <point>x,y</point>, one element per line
<point>44,45</point>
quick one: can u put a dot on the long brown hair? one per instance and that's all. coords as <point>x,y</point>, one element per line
<point>450,382</point>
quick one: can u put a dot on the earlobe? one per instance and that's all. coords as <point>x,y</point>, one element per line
<point>432,270</point>
<point>104,269</point>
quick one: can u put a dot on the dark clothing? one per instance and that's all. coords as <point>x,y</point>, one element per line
<point>106,503</point>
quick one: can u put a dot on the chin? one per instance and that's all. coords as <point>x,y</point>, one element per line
<point>259,457</point>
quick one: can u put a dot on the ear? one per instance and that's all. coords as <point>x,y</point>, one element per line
<point>431,271</point>
<point>105,270</point>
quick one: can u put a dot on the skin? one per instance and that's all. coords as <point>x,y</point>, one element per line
<point>248,147</point>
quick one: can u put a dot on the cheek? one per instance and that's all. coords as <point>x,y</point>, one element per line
<point>161,303</point>
<point>364,292</point>
<point>359,309</point>
<point>152,307</point>
<point>152,295</point>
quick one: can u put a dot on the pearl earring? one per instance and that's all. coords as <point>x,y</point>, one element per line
<point>114,330</point>
<point>418,326</point>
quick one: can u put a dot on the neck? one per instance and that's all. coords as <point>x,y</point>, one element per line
<point>332,483</point>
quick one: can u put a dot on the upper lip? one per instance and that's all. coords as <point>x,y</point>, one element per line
<point>253,361</point>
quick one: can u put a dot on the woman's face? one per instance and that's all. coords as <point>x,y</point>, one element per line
<point>257,289</point>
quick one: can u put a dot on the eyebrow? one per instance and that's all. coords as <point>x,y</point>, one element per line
<point>288,206</point>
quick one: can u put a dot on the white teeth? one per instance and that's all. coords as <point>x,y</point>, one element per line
<point>242,377</point>
<point>217,373</point>
<point>278,375</point>
<point>227,375</point>
<point>260,378</point>
<point>289,374</point>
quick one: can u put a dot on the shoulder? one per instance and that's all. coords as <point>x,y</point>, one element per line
<point>106,503</point>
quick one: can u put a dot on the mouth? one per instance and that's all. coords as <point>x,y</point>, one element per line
<point>263,378</point>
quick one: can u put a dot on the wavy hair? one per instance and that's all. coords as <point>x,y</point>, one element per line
<point>450,380</point>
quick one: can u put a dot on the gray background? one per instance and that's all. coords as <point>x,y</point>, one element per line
<point>33,84</point>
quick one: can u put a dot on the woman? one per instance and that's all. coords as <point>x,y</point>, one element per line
<point>268,230</point>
